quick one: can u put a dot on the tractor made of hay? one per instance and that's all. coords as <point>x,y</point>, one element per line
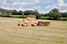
<point>32,21</point>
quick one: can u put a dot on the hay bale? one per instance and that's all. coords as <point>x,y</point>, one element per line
<point>31,20</point>
<point>43,23</point>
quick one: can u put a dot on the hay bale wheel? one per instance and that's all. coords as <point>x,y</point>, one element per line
<point>34,24</point>
<point>25,24</point>
<point>22,24</point>
<point>18,24</point>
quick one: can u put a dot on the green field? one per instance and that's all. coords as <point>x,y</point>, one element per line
<point>10,33</point>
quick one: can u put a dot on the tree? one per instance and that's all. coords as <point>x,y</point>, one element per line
<point>14,12</point>
<point>20,12</point>
<point>37,14</point>
<point>64,14</point>
<point>27,12</point>
<point>31,12</point>
<point>54,14</point>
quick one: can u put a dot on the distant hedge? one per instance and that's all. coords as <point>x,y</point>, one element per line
<point>38,17</point>
<point>13,16</point>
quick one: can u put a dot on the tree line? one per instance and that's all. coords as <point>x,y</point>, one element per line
<point>53,14</point>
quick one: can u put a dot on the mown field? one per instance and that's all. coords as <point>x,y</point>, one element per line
<point>10,33</point>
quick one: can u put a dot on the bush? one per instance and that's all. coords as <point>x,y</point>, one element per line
<point>13,16</point>
<point>3,15</point>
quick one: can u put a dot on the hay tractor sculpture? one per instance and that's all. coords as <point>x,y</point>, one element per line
<point>32,21</point>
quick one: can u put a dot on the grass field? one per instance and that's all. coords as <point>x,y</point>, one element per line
<point>10,33</point>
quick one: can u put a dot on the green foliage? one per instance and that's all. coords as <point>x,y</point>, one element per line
<point>54,14</point>
<point>37,14</point>
<point>20,12</point>
<point>64,14</point>
<point>44,17</point>
<point>14,12</point>
<point>30,12</point>
<point>27,12</point>
<point>5,15</point>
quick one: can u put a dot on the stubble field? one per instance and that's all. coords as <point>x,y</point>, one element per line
<point>10,33</point>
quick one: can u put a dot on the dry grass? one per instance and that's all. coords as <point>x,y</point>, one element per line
<point>10,33</point>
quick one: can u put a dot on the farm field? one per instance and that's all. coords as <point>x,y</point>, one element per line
<point>10,33</point>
